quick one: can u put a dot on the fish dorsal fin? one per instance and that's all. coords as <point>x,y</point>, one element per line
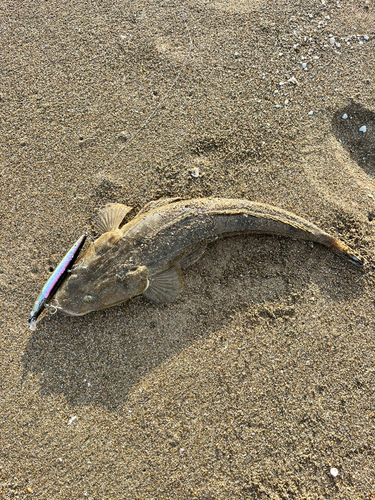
<point>151,205</point>
<point>110,217</point>
<point>165,287</point>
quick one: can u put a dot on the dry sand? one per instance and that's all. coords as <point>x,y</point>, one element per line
<point>260,379</point>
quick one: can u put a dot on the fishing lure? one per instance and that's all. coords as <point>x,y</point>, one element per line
<point>55,281</point>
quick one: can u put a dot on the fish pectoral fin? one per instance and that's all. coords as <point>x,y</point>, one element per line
<point>110,217</point>
<point>192,258</point>
<point>165,287</point>
<point>151,205</point>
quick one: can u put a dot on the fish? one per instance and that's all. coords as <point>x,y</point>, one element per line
<point>55,281</point>
<point>146,255</point>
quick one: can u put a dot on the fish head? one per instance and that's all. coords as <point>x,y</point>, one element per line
<point>88,290</point>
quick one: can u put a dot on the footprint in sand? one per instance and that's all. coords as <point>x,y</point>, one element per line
<point>354,128</point>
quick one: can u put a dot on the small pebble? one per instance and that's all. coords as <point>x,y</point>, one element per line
<point>123,136</point>
<point>304,65</point>
<point>344,116</point>
<point>334,472</point>
<point>332,40</point>
<point>361,43</point>
<point>310,113</point>
<point>293,80</point>
<point>195,172</point>
<point>71,420</point>
<point>366,38</point>
<point>363,129</point>
<point>371,196</point>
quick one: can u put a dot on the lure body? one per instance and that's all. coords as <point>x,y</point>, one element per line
<point>55,280</point>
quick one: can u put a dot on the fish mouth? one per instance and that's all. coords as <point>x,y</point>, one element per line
<point>70,313</point>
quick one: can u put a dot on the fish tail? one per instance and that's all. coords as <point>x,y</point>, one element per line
<point>342,249</point>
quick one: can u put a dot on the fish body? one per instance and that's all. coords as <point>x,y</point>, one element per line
<point>146,255</point>
<point>55,280</point>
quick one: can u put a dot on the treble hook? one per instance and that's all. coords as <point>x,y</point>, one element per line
<point>53,308</point>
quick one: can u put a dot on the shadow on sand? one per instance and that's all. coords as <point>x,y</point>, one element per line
<point>97,359</point>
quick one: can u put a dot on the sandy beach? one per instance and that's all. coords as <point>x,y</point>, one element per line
<point>258,383</point>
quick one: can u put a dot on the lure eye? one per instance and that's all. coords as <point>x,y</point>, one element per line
<point>88,299</point>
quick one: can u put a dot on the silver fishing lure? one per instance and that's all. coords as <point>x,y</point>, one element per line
<point>55,280</point>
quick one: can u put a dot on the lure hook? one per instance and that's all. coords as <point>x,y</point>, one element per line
<point>53,307</point>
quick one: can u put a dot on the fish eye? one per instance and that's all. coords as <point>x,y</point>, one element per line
<point>88,299</point>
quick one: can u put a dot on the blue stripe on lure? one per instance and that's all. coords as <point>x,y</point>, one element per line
<point>55,280</point>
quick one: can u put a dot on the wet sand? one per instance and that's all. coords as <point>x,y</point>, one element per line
<point>260,379</point>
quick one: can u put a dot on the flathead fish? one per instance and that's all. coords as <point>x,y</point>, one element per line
<point>146,255</point>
